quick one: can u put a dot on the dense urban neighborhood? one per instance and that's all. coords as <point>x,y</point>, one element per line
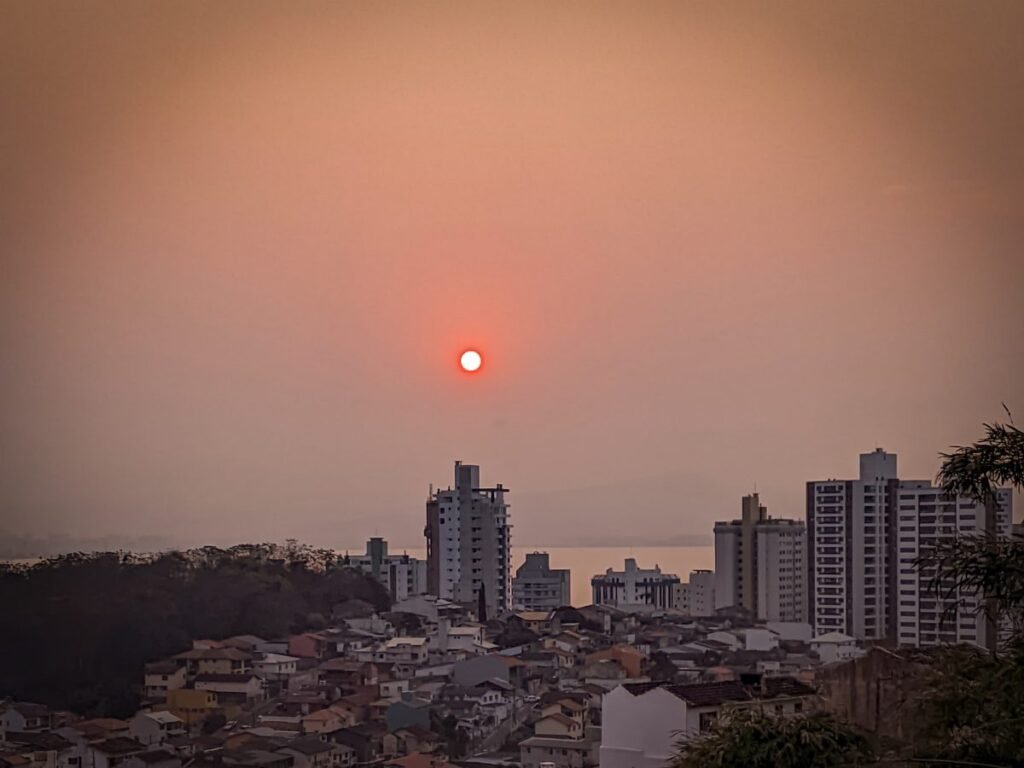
<point>428,683</point>
<point>409,663</point>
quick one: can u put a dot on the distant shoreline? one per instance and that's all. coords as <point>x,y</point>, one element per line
<point>22,558</point>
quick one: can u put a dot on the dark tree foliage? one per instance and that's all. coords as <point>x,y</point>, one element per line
<point>976,564</point>
<point>985,565</point>
<point>514,635</point>
<point>749,738</point>
<point>406,623</point>
<point>976,470</point>
<point>76,630</point>
<point>455,739</point>
<point>972,705</point>
<point>973,702</point>
<point>660,667</point>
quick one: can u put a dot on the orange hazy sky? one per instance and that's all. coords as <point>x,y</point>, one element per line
<point>702,246</point>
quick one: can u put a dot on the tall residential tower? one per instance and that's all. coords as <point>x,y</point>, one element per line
<point>760,564</point>
<point>865,536</point>
<point>468,542</point>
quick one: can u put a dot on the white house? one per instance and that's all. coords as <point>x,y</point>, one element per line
<point>429,607</point>
<point>24,716</point>
<point>163,676</point>
<point>458,638</point>
<point>558,725</point>
<point>759,639</point>
<point>535,751</point>
<point>835,646</point>
<point>791,630</point>
<point>111,753</point>
<point>397,650</point>
<point>275,666</point>
<point>642,722</point>
<point>231,689</point>
<point>152,728</point>
<point>750,639</point>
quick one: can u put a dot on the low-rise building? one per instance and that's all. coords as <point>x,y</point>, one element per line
<point>312,752</point>
<point>537,751</point>
<point>641,723</point>
<point>696,597</point>
<point>275,666</point>
<point>154,728</point>
<point>192,705</point>
<point>635,587</point>
<point>835,646</point>
<point>215,661</point>
<point>111,753</point>
<point>539,587</point>
<point>163,676</point>
<point>236,690</point>
<point>559,726</point>
<point>24,716</point>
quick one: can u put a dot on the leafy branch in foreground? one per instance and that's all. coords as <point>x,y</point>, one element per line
<point>752,739</point>
<point>982,565</point>
<point>972,704</point>
<point>991,566</point>
<point>975,470</point>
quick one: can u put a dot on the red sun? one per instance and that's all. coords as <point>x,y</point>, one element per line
<point>470,361</point>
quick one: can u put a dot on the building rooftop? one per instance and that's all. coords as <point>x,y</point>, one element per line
<point>308,746</point>
<point>44,740</point>
<point>833,637</point>
<point>554,742</point>
<point>713,694</point>
<point>119,745</point>
<point>559,718</point>
<point>155,756</point>
<point>214,654</point>
<point>163,716</point>
<point>418,760</point>
<point>214,677</point>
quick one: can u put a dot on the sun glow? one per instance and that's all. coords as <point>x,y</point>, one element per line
<point>471,360</point>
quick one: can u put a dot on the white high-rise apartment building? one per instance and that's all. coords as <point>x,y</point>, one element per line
<point>760,564</point>
<point>924,515</point>
<point>848,539</point>
<point>781,581</point>
<point>469,542</point>
<point>864,536</point>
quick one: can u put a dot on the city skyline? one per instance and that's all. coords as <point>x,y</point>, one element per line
<point>511,385</point>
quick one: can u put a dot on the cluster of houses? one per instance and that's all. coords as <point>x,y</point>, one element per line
<point>427,685</point>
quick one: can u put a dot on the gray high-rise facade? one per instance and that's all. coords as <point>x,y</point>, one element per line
<point>864,538</point>
<point>760,564</point>
<point>469,542</point>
